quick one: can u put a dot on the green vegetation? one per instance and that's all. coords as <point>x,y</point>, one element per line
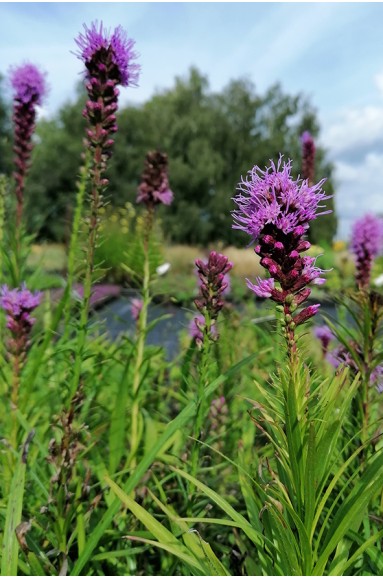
<point>210,138</point>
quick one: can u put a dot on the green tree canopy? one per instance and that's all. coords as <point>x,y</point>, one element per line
<point>211,140</point>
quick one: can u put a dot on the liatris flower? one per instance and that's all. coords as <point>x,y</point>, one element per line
<point>154,188</point>
<point>342,356</point>
<point>18,305</point>
<point>366,244</point>
<point>109,62</point>
<point>325,336</point>
<point>308,157</point>
<point>135,308</point>
<point>275,211</point>
<point>29,89</point>
<point>226,282</point>
<point>212,283</point>
<point>196,329</point>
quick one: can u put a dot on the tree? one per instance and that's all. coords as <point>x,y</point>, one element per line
<point>211,140</point>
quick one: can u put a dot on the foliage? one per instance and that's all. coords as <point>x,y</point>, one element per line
<point>244,453</point>
<point>210,138</point>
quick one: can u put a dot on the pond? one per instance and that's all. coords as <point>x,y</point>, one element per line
<point>117,318</point>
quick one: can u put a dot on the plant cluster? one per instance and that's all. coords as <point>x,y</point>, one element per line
<point>245,454</point>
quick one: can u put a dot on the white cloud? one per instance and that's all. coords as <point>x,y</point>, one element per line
<point>359,190</point>
<point>356,128</point>
<point>379,81</point>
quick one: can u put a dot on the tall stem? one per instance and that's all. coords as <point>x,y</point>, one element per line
<point>141,337</point>
<point>96,201</point>
<point>17,363</point>
<point>74,241</point>
<point>203,382</point>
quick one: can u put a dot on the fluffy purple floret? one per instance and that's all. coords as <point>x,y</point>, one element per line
<point>367,236</point>
<point>28,84</point>
<point>18,301</point>
<point>96,42</point>
<point>311,272</point>
<point>366,244</point>
<point>263,288</point>
<point>273,197</point>
<point>18,305</point>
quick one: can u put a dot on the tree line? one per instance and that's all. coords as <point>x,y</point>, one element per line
<point>211,139</point>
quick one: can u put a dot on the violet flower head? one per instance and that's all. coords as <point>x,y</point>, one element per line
<point>108,59</point>
<point>28,83</point>
<point>18,305</point>
<point>29,89</point>
<point>109,54</point>
<point>212,277</point>
<point>271,201</point>
<point>196,329</point>
<point>154,188</point>
<point>275,211</point>
<point>325,336</point>
<point>366,244</point>
<point>308,157</point>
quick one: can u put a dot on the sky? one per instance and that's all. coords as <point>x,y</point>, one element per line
<point>331,52</point>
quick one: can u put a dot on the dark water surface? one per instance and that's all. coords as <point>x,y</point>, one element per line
<point>117,318</point>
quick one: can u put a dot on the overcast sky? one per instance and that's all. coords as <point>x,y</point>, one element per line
<point>332,52</point>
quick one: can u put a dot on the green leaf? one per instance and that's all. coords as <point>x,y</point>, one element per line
<point>117,431</point>
<point>10,552</point>
<point>177,423</point>
<point>159,531</point>
<point>348,516</point>
<point>340,568</point>
<point>253,534</point>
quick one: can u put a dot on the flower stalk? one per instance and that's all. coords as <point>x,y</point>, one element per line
<point>152,191</point>
<point>275,211</point>
<point>18,305</point>
<point>213,283</point>
<point>29,89</point>
<point>108,62</point>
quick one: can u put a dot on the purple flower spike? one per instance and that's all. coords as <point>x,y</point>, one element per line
<point>28,83</point>
<point>308,156</point>
<point>271,199</point>
<point>108,61</point>
<point>366,244</point>
<point>29,89</point>
<point>276,211</point>
<point>18,305</point>
<point>154,188</point>
<point>212,283</point>
<point>103,52</point>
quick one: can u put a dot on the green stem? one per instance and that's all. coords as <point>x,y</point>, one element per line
<point>74,242</point>
<point>96,202</point>
<point>203,382</point>
<point>141,338</point>
<point>15,399</point>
